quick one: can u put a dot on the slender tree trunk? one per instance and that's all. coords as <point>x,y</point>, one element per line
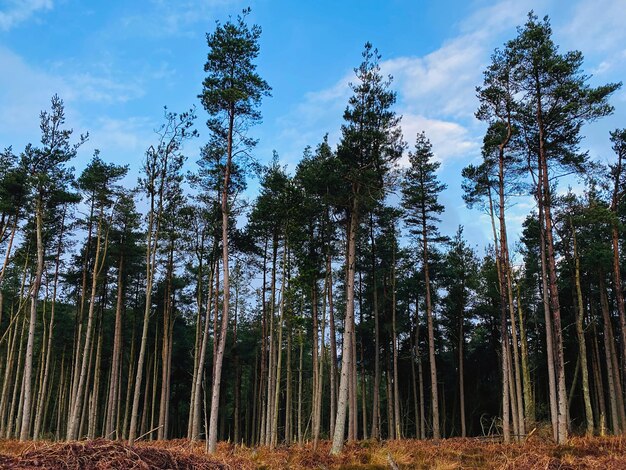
<point>545,203</point>
<point>30,345</point>
<point>154,223</point>
<point>279,348</point>
<point>333,346</point>
<point>166,350</point>
<point>617,277</point>
<point>353,406</point>
<point>549,330</point>
<point>462,375</point>
<point>611,379</point>
<point>116,356</point>
<point>396,391</point>
<point>580,332</point>
<point>264,351</point>
<point>129,381</point>
<point>217,375</point>
<point>44,386</point>
<point>346,360</point>
<point>612,357</point>
<point>99,258</point>
<point>7,256</point>
<point>271,364</point>
<point>316,405</point>
<point>529,401</point>
<point>80,313</point>
<point>300,434</point>
<point>199,375</point>
<point>431,336</point>
<point>414,389</point>
<point>288,398</point>
<point>597,374</point>
<point>95,397</point>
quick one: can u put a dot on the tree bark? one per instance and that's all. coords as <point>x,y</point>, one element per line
<point>217,374</point>
<point>30,345</point>
<point>346,359</point>
<point>580,332</point>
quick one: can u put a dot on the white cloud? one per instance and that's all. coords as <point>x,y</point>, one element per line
<point>24,91</point>
<point>498,17</point>
<point>27,89</point>
<point>449,139</point>
<point>130,135</point>
<point>102,89</point>
<point>436,92</point>
<point>18,11</point>
<point>596,26</point>
<point>167,18</point>
<point>442,82</point>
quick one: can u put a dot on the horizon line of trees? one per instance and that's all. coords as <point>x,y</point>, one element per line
<point>332,313</point>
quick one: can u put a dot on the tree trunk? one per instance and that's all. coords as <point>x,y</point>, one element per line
<point>545,203</point>
<point>217,374</point>
<point>333,346</point>
<point>288,398</point>
<point>44,387</point>
<point>529,401</point>
<point>431,336</point>
<point>116,356</point>
<point>549,331</point>
<point>461,376</point>
<point>612,357</point>
<point>597,378</point>
<point>154,223</point>
<point>99,258</point>
<point>300,435</point>
<point>279,348</point>
<point>346,360</point>
<point>30,345</point>
<point>617,277</point>
<point>271,370</point>
<point>580,332</point>
<point>396,391</point>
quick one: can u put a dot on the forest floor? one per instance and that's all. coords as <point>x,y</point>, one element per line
<point>605,453</point>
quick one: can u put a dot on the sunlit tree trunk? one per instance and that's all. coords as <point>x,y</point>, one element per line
<point>99,258</point>
<point>110,428</point>
<point>30,345</point>
<point>346,359</point>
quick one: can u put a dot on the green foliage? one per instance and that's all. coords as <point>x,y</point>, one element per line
<point>371,137</point>
<point>232,88</point>
<point>420,191</point>
<point>554,85</point>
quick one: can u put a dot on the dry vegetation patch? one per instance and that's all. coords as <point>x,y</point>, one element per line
<point>581,453</point>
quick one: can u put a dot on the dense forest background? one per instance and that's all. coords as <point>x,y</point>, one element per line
<point>330,305</point>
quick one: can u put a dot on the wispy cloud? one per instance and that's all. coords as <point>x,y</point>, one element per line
<point>596,26</point>
<point>167,18</point>
<point>14,12</point>
<point>450,140</point>
<point>27,90</point>
<point>102,89</point>
<point>436,91</point>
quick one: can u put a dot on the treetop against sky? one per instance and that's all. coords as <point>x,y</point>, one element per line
<point>116,64</point>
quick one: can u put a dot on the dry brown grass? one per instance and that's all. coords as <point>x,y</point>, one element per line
<point>607,453</point>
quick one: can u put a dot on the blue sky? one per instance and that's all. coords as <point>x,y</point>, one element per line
<point>116,64</point>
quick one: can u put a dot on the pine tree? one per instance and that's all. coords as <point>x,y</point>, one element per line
<point>420,199</point>
<point>371,143</point>
<point>45,167</point>
<point>232,92</point>
<point>555,101</point>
